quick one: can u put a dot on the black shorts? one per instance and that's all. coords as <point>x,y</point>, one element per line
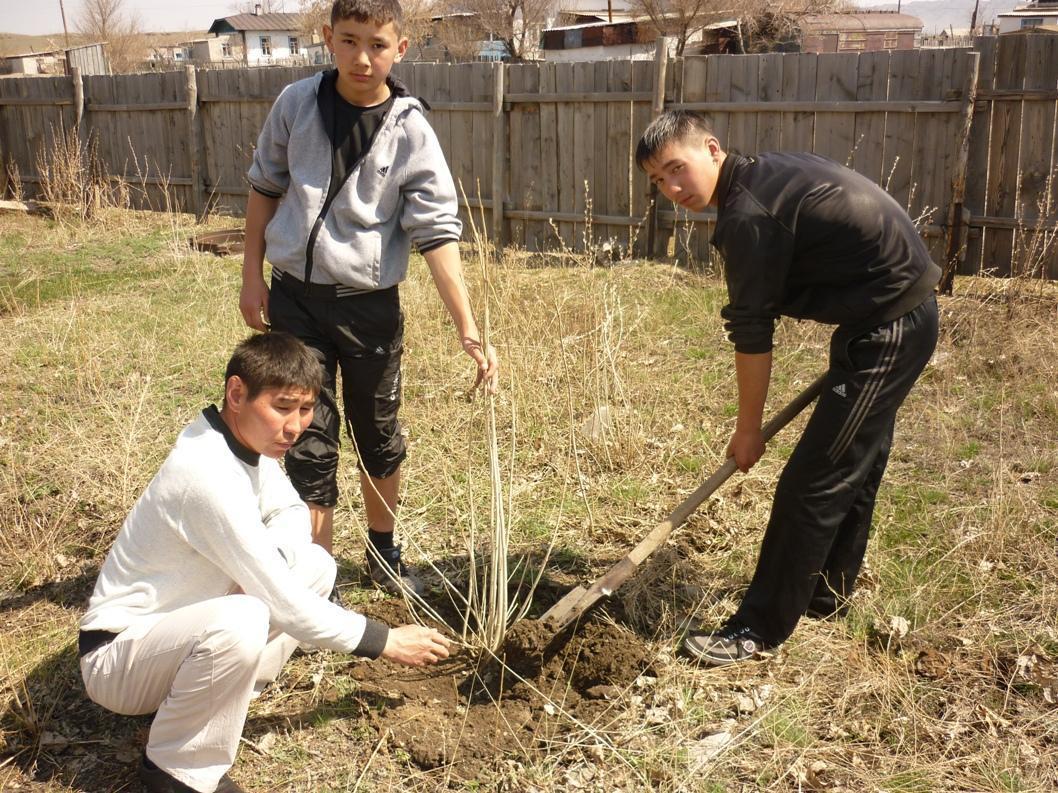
<point>363,336</point>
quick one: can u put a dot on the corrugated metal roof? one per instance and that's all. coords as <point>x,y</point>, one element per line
<point>259,22</point>
<point>819,23</point>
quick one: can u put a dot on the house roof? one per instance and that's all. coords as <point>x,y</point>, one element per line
<point>240,22</point>
<point>821,23</point>
<point>41,54</point>
<point>1031,11</point>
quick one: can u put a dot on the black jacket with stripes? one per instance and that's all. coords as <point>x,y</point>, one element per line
<point>805,237</point>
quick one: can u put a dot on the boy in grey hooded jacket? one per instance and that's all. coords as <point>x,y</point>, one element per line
<point>347,175</point>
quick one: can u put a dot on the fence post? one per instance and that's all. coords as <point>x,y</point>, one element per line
<point>499,153</point>
<point>197,193</point>
<point>657,107</point>
<point>955,249</point>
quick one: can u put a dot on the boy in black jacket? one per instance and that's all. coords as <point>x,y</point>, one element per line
<point>807,238</point>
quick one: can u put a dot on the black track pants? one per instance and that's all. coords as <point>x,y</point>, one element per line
<point>817,534</point>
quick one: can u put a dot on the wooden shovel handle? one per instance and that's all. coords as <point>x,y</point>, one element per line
<point>580,599</point>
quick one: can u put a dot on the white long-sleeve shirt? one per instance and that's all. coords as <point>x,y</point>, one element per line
<point>215,517</point>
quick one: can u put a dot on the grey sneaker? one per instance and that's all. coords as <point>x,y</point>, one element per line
<point>392,567</point>
<point>729,646</point>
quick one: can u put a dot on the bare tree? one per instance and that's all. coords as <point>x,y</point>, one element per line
<point>317,13</point>
<point>766,26</point>
<point>683,19</point>
<point>460,35</point>
<point>763,24</point>
<point>108,21</point>
<point>517,23</point>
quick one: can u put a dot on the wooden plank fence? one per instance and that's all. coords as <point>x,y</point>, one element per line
<point>964,138</point>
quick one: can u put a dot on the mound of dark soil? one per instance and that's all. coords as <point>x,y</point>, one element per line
<point>464,716</point>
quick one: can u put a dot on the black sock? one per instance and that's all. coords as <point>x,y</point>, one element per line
<point>382,540</point>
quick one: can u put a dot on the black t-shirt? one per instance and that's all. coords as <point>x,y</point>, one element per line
<point>354,129</point>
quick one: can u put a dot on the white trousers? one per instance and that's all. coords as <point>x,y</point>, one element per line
<point>197,667</point>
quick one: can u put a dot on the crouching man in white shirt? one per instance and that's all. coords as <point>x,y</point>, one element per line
<point>214,580</point>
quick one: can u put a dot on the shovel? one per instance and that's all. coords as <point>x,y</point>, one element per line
<point>579,600</point>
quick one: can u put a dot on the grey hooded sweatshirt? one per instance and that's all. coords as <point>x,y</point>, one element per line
<point>400,192</point>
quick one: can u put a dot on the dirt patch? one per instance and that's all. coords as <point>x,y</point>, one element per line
<point>462,716</point>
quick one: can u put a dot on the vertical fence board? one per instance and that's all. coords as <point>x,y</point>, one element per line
<point>799,84</point>
<point>642,81</point>
<point>518,131</point>
<point>481,169</point>
<point>695,89</point>
<point>921,203</point>
<point>532,156</point>
<point>549,151</point>
<point>742,127</point>
<point>567,178</point>
<point>619,143</point>
<point>980,142</point>
<point>769,89</point>
<point>945,143</point>
<point>1003,161</point>
<point>1036,197</point>
<point>836,81</point>
<point>872,85</point>
<point>462,156</point>
<point>583,146</point>
<point>601,191</point>
<point>900,127</point>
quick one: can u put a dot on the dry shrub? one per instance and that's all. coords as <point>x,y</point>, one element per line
<point>72,176</point>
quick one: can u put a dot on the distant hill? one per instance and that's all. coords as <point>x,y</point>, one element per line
<point>17,43</point>
<point>938,15</point>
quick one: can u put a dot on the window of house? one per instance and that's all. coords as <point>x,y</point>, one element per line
<point>225,49</point>
<point>1031,22</point>
<point>891,41</point>
<point>266,45</point>
<point>295,46</point>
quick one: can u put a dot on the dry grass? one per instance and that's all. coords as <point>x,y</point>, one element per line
<point>112,337</point>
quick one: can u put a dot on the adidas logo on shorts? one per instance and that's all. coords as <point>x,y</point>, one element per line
<point>839,389</point>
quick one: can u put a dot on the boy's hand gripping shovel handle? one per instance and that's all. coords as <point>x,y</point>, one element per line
<point>580,599</point>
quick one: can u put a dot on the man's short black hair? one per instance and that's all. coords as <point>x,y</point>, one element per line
<point>274,360</point>
<point>377,11</point>
<point>670,127</point>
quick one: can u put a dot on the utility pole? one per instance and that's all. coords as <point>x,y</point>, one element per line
<point>973,20</point>
<point>65,32</point>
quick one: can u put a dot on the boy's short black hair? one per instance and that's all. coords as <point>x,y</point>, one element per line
<point>378,11</point>
<point>670,127</point>
<point>274,360</point>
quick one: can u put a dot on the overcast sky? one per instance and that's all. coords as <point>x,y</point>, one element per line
<point>42,16</point>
